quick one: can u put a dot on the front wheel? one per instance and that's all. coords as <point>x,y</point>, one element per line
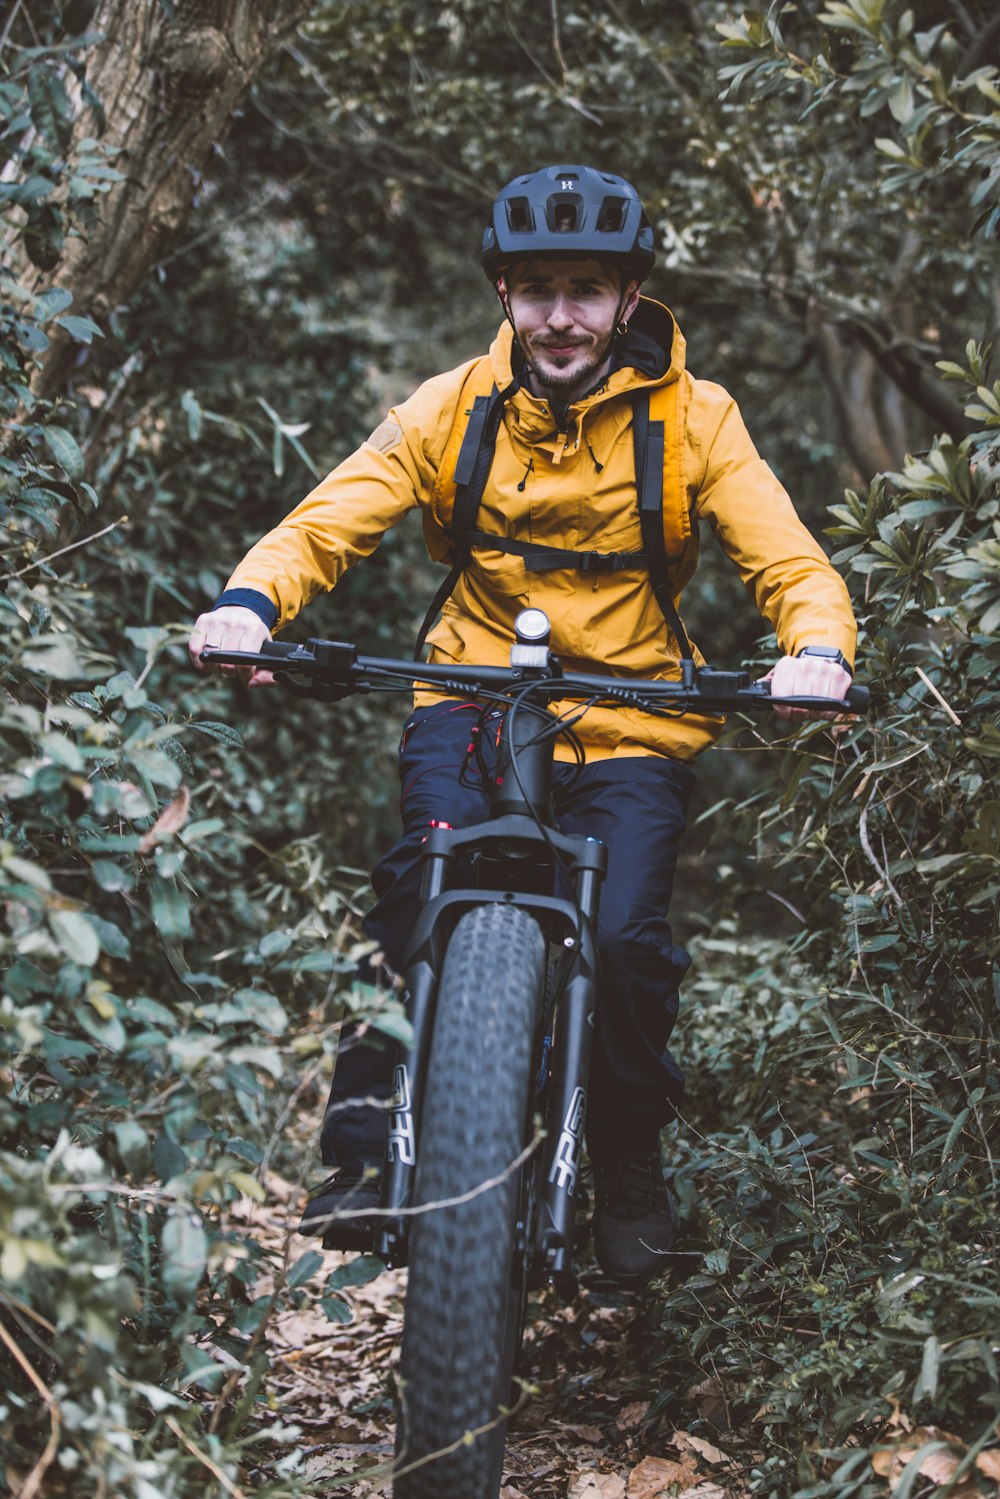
<point>459,1330</point>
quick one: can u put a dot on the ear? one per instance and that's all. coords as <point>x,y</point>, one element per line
<point>500,287</point>
<point>631,300</point>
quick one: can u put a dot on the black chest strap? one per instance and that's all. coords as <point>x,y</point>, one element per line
<point>472,470</point>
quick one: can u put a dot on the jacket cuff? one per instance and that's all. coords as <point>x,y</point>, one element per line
<point>249,598</point>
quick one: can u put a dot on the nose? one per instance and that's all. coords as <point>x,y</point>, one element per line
<point>560,315</point>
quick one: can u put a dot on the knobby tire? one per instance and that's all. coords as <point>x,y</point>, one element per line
<point>462,1324</point>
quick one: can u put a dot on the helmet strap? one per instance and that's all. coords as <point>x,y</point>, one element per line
<point>500,287</point>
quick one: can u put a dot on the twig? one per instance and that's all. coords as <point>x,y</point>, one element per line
<point>787,905</point>
<point>11,17</point>
<point>465,1440</point>
<point>557,50</point>
<point>132,364</point>
<point>204,1459</point>
<point>439,1202</point>
<point>32,1484</point>
<point>553,83</point>
<point>870,852</point>
<point>934,693</point>
<point>306,1082</point>
<point>39,561</point>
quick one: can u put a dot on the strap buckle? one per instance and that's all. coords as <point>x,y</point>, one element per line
<point>600,562</point>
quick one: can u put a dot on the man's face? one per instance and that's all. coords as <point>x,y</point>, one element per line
<point>565,312</point>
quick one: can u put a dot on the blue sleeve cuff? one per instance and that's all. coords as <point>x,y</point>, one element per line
<point>249,598</point>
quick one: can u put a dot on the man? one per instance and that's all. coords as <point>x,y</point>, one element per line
<point>580,354</point>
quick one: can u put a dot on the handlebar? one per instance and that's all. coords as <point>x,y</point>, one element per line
<point>332,669</point>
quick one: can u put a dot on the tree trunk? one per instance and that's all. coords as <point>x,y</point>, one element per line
<point>168,86</point>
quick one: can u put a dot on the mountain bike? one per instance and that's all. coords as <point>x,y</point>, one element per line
<point>480,1186</point>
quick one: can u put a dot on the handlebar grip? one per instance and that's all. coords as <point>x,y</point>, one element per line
<point>857,699</point>
<point>277,648</point>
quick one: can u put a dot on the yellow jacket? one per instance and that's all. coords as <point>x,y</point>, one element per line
<point>573,489</point>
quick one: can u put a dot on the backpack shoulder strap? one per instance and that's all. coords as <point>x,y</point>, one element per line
<point>473,461</point>
<point>478,382</point>
<point>659,480</point>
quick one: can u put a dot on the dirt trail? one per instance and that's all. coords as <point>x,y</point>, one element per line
<point>594,1424</point>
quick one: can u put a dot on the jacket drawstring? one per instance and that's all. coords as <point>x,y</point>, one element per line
<point>597,463</point>
<point>528,470</point>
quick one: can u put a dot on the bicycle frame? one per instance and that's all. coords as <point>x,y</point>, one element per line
<point>520,824</point>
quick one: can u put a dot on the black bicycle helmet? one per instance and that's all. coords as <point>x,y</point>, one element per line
<point>569,211</point>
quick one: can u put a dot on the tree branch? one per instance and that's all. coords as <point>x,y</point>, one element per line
<point>977,54</point>
<point>899,358</point>
<point>32,1484</point>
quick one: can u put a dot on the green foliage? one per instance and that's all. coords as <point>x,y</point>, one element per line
<point>179,933</point>
<point>177,941</point>
<point>850,1186</point>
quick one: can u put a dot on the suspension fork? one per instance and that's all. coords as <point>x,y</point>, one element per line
<point>567,1107</point>
<point>423,971</point>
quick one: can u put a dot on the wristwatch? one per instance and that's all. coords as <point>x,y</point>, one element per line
<point>828,653</point>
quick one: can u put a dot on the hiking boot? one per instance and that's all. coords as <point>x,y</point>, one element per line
<point>349,1191</point>
<point>635,1217</point>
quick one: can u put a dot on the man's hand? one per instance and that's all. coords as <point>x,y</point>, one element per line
<point>807,676</point>
<point>231,628</point>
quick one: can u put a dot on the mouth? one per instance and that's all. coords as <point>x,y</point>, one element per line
<point>560,349</point>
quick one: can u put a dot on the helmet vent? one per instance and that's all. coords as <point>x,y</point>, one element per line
<point>519,216</point>
<point>611,219</point>
<point>564,213</point>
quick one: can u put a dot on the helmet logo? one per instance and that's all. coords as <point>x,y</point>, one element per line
<point>566,184</point>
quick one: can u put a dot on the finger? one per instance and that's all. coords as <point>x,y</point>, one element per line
<point>196,644</point>
<point>263,679</point>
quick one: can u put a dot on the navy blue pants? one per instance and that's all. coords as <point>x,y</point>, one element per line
<point>637,807</point>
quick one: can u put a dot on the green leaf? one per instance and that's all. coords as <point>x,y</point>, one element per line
<point>170,909</point>
<point>133,1147</point>
<point>192,411</point>
<point>336,1310</point>
<point>53,656</point>
<point>169,1159</point>
<point>49,303</point>
<point>275,943</point>
<point>220,731</point>
<point>65,450</point>
<point>305,1268</point>
<point>83,329</point>
<point>879,942</point>
<point>930,1367</point>
<point>393,1023</point>
<point>357,1272</point>
<point>75,936</point>
<point>184,1251</point>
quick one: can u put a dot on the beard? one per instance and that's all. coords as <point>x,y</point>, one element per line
<point>563,371</point>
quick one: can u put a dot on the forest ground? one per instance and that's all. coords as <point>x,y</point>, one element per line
<point>589,1427</point>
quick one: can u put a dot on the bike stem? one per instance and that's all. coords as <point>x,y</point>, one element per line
<point>523,781</point>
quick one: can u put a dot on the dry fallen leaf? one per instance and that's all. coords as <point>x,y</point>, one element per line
<point>508,1491</point>
<point>171,820</point>
<point>684,1441</point>
<point>705,1491</point>
<point>654,1477</point>
<point>711,1397</point>
<point>596,1486</point>
<point>585,1433</point>
<point>632,1415</point>
<point>989,1463</point>
<point>938,1466</point>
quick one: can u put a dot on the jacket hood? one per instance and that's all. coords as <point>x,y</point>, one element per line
<point>651,353</point>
